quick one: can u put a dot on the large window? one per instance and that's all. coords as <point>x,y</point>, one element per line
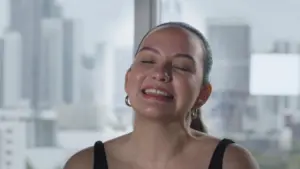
<point>239,31</point>
<point>62,67</point>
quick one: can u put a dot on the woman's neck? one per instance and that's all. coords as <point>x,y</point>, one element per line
<point>156,143</point>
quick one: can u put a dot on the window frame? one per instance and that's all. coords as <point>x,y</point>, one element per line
<point>146,16</point>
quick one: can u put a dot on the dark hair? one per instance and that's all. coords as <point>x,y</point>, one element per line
<point>207,58</point>
<point>197,124</point>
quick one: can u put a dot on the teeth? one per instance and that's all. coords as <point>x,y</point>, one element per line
<point>155,91</point>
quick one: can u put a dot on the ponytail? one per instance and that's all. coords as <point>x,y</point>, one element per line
<point>197,124</point>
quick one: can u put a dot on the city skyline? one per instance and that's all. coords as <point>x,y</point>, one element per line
<point>124,18</point>
<point>261,19</point>
<point>62,76</point>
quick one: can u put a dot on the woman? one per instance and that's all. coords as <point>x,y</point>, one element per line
<point>166,84</point>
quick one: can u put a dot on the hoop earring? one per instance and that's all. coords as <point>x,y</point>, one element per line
<point>195,113</point>
<point>127,101</point>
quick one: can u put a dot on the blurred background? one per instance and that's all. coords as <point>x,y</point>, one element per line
<point>62,67</point>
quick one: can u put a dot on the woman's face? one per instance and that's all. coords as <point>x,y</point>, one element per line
<point>166,75</point>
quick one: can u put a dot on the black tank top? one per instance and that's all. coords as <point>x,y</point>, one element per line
<point>216,161</point>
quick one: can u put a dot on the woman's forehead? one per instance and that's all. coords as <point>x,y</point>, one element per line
<point>172,39</point>
<point>168,32</point>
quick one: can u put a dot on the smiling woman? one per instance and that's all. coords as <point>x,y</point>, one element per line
<point>183,62</point>
<point>166,85</point>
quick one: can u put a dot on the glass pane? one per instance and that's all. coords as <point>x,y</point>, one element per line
<point>255,74</point>
<point>62,74</point>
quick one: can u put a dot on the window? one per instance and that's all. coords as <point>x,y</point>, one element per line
<point>65,62</point>
<point>239,31</point>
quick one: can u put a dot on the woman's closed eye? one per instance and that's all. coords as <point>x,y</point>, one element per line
<point>148,61</point>
<point>183,68</point>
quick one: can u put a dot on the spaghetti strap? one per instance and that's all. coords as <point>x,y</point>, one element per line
<point>100,161</point>
<point>216,161</point>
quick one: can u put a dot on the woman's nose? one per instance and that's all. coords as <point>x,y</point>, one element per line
<point>161,74</point>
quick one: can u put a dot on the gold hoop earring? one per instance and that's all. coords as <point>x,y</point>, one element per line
<point>127,101</point>
<point>195,113</point>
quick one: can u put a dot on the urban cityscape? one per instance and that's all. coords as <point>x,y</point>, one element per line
<point>62,78</point>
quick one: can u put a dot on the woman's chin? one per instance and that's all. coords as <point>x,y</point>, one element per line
<point>155,114</point>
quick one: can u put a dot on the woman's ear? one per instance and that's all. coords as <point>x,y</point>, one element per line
<point>204,94</point>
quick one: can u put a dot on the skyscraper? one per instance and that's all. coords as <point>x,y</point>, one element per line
<point>51,64</point>
<point>50,9</point>
<point>72,53</point>
<point>1,71</point>
<point>11,70</point>
<point>26,18</point>
<point>28,24</point>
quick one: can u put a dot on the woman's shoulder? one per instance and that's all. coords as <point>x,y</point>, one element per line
<point>81,159</point>
<point>235,155</point>
<point>85,157</point>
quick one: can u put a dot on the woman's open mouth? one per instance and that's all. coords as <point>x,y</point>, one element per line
<point>157,94</point>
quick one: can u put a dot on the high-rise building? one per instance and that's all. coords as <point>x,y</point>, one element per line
<point>28,24</point>
<point>42,59</point>
<point>50,9</point>
<point>230,44</point>
<point>16,14</point>
<point>1,71</point>
<point>49,91</point>
<point>51,62</point>
<point>11,70</point>
<point>72,53</point>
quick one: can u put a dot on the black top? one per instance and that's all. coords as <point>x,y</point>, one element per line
<point>216,161</point>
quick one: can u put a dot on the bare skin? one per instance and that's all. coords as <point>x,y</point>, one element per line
<point>196,155</point>
<point>162,138</point>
